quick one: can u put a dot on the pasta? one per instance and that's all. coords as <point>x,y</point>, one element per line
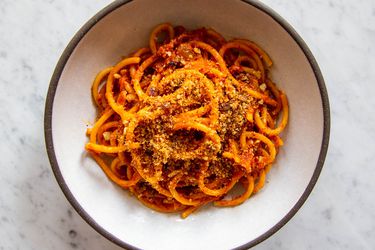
<point>186,119</point>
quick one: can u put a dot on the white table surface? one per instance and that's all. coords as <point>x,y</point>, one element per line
<point>339,214</point>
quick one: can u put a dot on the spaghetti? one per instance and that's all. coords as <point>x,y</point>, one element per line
<point>188,118</point>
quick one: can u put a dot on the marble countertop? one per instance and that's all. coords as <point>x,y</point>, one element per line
<point>339,214</point>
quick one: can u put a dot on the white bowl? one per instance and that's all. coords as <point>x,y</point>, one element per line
<point>123,27</point>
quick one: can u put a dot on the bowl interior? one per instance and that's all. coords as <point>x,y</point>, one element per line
<point>124,30</point>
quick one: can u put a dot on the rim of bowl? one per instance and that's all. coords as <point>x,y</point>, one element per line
<point>65,57</point>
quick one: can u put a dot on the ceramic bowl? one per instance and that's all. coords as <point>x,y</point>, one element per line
<point>125,26</point>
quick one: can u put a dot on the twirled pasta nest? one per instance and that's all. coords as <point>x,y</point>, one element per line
<point>182,122</point>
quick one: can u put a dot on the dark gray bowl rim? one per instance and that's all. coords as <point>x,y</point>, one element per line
<point>55,80</point>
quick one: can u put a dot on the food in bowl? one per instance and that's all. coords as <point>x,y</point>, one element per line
<point>183,121</point>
